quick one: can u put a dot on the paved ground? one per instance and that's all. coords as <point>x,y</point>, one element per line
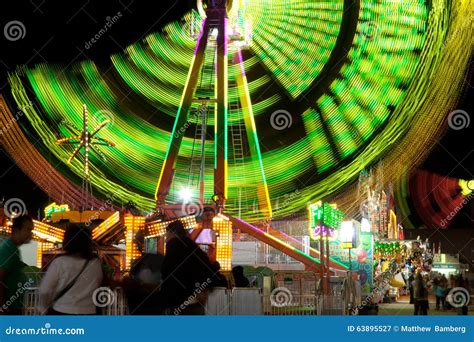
<point>404,308</point>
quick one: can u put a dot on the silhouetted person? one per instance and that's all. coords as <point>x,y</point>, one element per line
<point>220,279</point>
<point>451,285</point>
<point>13,282</point>
<point>439,289</point>
<point>420,294</point>
<point>207,235</point>
<point>411,278</point>
<point>68,286</point>
<point>147,269</point>
<point>462,283</point>
<point>142,287</point>
<point>239,279</point>
<point>445,283</point>
<point>187,273</point>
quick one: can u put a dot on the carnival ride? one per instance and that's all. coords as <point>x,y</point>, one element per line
<point>87,140</point>
<point>434,198</point>
<point>304,96</point>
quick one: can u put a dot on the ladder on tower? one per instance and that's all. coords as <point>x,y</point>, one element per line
<point>197,162</point>
<point>203,103</point>
<point>237,133</point>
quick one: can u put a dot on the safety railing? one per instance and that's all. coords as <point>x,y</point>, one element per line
<point>225,302</point>
<point>31,302</point>
<point>332,305</point>
<point>235,302</point>
<point>297,282</point>
<point>250,301</point>
<point>299,305</point>
<point>115,304</point>
<point>246,301</point>
<point>219,301</point>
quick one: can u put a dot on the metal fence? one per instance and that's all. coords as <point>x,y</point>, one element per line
<point>300,305</point>
<point>31,302</point>
<point>225,302</point>
<point>297,282</point>
<point>218,303</point>
<point>333,305</point>
<point>117,307</point>
<point>248,301</point>
<point>235,302</point>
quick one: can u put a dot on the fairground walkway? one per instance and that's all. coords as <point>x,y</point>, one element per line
<point>403,308</point>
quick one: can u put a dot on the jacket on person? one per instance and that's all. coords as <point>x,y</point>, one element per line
<point>186,271</point>
<point>420,290</point>
<point>78,300</point>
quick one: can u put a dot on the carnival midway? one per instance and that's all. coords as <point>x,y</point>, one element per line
<point>266,161</point>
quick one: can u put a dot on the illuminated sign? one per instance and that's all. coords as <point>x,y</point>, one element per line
<point>325,214</point>
<point>322,231</point>
<point>347,235</point>
<point>55,208</point>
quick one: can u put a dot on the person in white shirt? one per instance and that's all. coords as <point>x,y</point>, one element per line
<point>68,286</point>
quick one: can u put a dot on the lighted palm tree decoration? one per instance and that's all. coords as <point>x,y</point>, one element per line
<point>85,139</point>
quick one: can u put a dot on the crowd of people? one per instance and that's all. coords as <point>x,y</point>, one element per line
<point>71,279</point>
<point>421,286</point>
<point>186,276</point>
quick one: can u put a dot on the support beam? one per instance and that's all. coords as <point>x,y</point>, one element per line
<point>252,137</point>
<point>169,164</point>
<point>221,125</point>
<point>311,264</point>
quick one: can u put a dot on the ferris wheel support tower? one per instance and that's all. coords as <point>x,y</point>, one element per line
<point>216,19</point>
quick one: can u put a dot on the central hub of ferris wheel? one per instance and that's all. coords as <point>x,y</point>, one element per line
<point>239,25</point>
<point>223,30</point>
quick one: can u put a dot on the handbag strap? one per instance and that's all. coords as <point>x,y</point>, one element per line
<point>71,284</point>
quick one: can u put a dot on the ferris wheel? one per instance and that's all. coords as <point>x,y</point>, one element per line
<point>295,97</point>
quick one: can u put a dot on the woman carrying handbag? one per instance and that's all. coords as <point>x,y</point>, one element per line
<point>68,286</point>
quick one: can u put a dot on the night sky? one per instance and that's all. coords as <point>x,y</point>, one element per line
<point>57,31</point>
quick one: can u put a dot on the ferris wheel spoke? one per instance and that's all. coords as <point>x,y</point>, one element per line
<point>71,128</point>
<point>75,152</point>
<point>98,152</point>
<point>102,141</point>
<point>74,139</point>
<point>99,127</point>
<point>70,142</point>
